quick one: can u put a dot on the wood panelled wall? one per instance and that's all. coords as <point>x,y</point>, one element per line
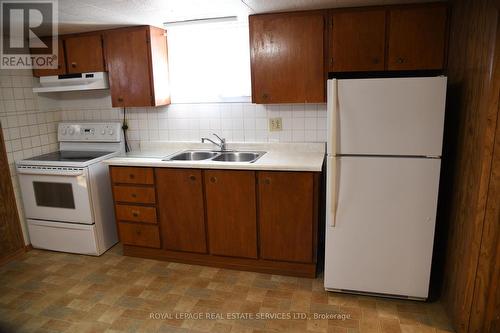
<point>471,169</point>
<point>11,239</point>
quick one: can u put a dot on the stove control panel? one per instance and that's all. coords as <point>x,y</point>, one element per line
<point>89,132</point>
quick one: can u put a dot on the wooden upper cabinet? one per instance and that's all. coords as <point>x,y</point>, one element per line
<point>84,53</point>
<point>357,40</point>
<point>417,37</point>
<point>231,213</point>
<point>181,209</point>
<point>287,216</point>
<point>138,68</point>
<point>287,57</point>
<point>61,64</point>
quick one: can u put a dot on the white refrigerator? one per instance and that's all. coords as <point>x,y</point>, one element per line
<point>383,163</point>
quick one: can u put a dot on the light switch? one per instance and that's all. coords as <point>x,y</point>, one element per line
<point>275,124</point>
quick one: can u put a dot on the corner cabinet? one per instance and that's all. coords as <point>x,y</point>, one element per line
<point>287,57</point>
<point>138,66</point>
<point>240,219</point>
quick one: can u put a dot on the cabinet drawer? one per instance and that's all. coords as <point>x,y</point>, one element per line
<point>136,213</point>
<point>132,175</point>
<point>134,194</point>
<point>139,234</point>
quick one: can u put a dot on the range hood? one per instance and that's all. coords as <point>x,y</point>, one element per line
<point>73,82</point>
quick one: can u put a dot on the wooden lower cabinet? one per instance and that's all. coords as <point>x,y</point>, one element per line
<point>231,213</point>
<point>181,209</point>
<point>239,219</point>
<point>286,211</point>
<point>140,235</point>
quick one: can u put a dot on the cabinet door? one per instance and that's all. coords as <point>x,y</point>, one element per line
<point>357,40</point>
<point>417,38</point>
<point>181,211</point>
<point>286,215</point>
<point>127,56</point>
<point>287,58</point>
<point>61,64</point>
<point>231,213</point>
<point>84,54</point>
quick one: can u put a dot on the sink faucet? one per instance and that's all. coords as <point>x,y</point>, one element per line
<point>221,145</point>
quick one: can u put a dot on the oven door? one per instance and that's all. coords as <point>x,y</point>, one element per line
<point>56,193</point>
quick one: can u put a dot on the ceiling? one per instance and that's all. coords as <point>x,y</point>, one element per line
<point>87,15</point>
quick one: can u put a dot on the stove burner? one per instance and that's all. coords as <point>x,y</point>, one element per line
<point>69,156</point>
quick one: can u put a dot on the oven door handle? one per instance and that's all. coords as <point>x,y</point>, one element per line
<point>51,172</point>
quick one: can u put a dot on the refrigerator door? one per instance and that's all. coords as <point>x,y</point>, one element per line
<point>381,214</point>
<point>387,116</point>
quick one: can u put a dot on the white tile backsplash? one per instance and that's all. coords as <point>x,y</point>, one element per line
<point>241,122</point>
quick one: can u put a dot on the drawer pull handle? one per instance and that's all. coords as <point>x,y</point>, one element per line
<point>120,99</point>
<point>138,232</point>
<point>192,177</point>
<point>267,181</point>
<point>73,64</point>
<point>213,180</point>
<point>131,176</point>
<point>135,213</point>
<point>400,60</point>
<point>134,195</point>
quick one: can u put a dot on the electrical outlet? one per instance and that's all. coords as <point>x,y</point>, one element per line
<point>275,124</point>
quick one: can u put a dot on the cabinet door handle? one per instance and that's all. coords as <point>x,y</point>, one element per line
<point>267,181</point>
<point>265,96</point>
<point>400,60</point>
<point>213,180</point>
<point>73,64</point>
<point>120,99</point>
<point>192,178</point>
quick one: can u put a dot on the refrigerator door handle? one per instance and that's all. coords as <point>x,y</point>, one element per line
<point>333,107</point>
<point>333,193</point>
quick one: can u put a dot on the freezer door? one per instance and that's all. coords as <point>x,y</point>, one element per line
<point>390,116</point>
<point>379,239</point>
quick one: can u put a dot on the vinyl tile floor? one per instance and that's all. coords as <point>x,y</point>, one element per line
<point>57,292</point>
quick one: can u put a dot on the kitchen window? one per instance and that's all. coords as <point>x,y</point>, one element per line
<point>209,61</point>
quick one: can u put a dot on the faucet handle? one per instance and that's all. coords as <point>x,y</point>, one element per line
<point>218,137</point>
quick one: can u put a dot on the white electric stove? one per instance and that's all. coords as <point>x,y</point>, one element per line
<point>67,194</point>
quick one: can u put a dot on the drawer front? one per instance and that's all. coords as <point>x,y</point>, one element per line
<point>136,213</point>
<point>132,175</point>
<point>134,194</point>
<point>139,235</point>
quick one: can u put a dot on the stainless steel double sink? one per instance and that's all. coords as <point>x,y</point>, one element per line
<point>217,156</point>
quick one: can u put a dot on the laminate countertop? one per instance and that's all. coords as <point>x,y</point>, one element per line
<point>278,156</point>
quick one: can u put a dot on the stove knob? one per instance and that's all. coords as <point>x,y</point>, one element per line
<point>110,131</point>
<point>103,132</point>
<point>71,131</point>
<point>64,131</point>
